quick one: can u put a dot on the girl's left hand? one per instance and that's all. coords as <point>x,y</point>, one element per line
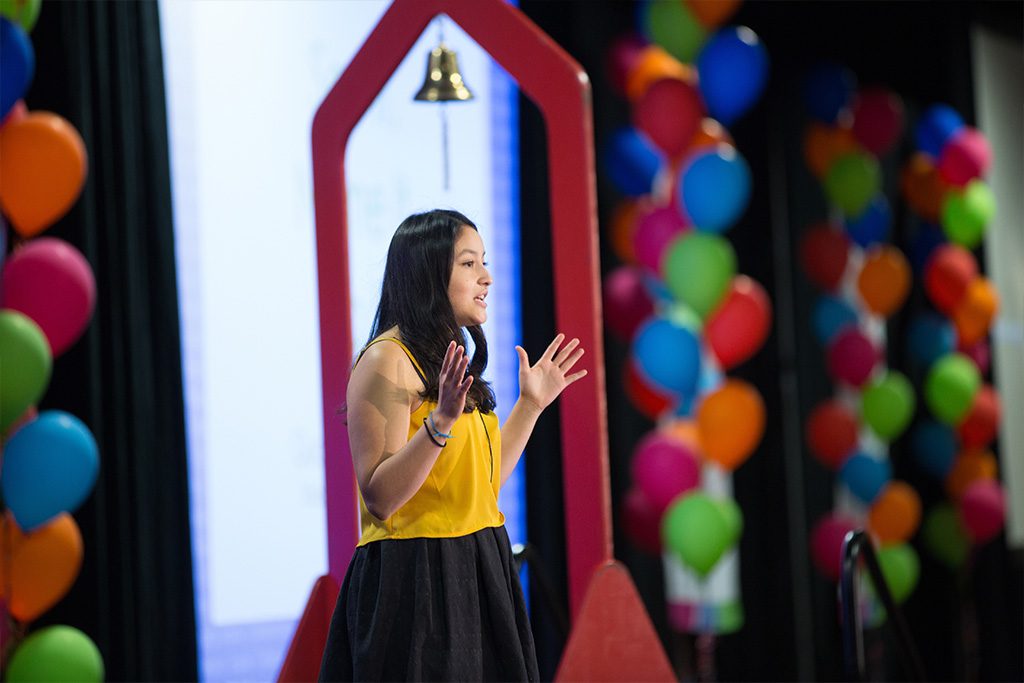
<point>541,384</point>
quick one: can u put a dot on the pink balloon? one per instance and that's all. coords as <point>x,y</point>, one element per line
<point>827,544</point>
<point>663,468</point>
<point>965,157</point>
<point>736,331</point>
<point>621,58</point>
<point>627,303</point>
<point>851,357</point>
<point>981,353</point>
<point>877,119</point>
<point>50,281</point>
<point>983,509</point>
<point>653,232</point>
<point>641,522</point>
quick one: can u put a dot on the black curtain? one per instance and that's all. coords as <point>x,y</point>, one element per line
<point>99,65</point>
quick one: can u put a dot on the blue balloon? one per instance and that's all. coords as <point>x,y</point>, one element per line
<point>828,89</point>
<point>927,237</point>
<point>714,189</point>
<point>938,124</point>
<point>930,337</point>
<point>17,64</point>
<point>631,162</point>
<point>872,225</point>
<point>865,476</point>
<point>50,466</point>
<point>934,447</point>
<point>669,356</point>
<point>831,314</point>
<point>733,70</point>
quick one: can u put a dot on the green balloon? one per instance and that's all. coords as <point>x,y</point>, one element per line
<point>945,537</point>
<point>696,530</point>
<point>698,269</point>
<point>852,181</point>
<point>25,365</point>
<point>681,315</point>
<point>901,569</point>
<point>56,653</point>
<point>733,517</point>
<point>950,387</point>
<point>671,24</point>
<point>887,405</point>
<point>966,214</point>
<point>729,617</point>
<point>22,12</point>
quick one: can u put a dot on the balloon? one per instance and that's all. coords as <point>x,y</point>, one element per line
<point>877,119</point>
<point>823,253</point>
<point>974,314</point>
<point>17,64</point>
<point>979,428</point>
<point>669,113</point>
<point>641,522</point>
<point>733,70</point>
<point>945,536</point>
<point>669,356</point>
<point>49,467</point>
<point>827,544</point>
<point>714,188</point>
<point>865,476</point>
<point>671,24</point>
<point>648,400</point>
<point>26,362</point>
<point>950,387</point>
<point>654,231</point>
<point>626,301</point>
<point>733,519</point>
<point>739,326</point>
<point>652,65</point>
<point>982,510</point>
<point>622,58</point>
<point>631,162</point>
<point>964,157</point>
<point>887,405</point>
<point>832,315</point>
<point>980,353</point>
<point>851,357</point>
<point>56,653</point>
<point>930,337</point>
<point>682,430</point>
<point>947,275</point>
<point>872,225</point>
<point>710,133</point>
<point>922,187</point>
<point>663,468</point>
<point>884,281</point>
<point>969,467</point>
<point>896,513</point>
<point>934,447</point>
<point>698,267</point>
<point>824,143</point>
<point>712,13</point>
<point>30,414</point>
<point>696,530</point>
<point>17,112</point>
<point>831,433</point>
<point>900,569</point>
<point>731,421</point>
<point>22,12</point>
<point>622,226</point>
<point>966,214</point>
<point>852,181</point>
<point>927,238</point>
<point>937,126</point>
<point>828,90</point>
<point>43,566</point>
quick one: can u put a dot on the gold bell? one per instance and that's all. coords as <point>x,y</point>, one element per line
<point>443,82</point>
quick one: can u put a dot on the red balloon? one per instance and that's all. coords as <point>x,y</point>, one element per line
<point>979,428</point>
<point>983,510</point>
<point>663,468</point>
<point>16,113</point>
<point>627,303</point>
<point>622,57</point>
<point>851,357</point>
<point>827,544</point>
<point>738,328</point>
<point>831,433</point>
<point>965,157</point>
<point>670,114</point>
<point>823,253</point>
<point>877,119</point>
<point>641,522</point>
<point>948,273</point>
<point>645,398</point>
<point>980,353</point>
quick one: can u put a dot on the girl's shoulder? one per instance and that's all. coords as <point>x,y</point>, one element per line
<point>388,358</point>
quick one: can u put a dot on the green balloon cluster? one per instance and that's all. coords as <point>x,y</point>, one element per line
<point>56,653</point>
<point>950,387</point>
<point>671,25</point>
<point>965,215</point>
<point>25,361</point>
<point>901,570</point>
<point>700,529</point>
<point>945,537</point>
<point>21,12</point>
<point>698,268</point>
<point>887,405</point>
<point>852,181</point>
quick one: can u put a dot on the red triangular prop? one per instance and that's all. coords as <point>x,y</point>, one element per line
<point>302,663</point>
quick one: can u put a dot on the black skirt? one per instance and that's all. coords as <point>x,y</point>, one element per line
<point>431,609</point>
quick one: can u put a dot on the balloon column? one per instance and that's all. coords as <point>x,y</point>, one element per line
<point>677,298</point>
<point>47,293</point>
<point>864,280</point>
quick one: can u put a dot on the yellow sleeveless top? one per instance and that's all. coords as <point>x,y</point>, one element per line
<point>460,495</point>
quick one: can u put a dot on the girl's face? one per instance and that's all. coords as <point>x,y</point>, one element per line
<point>467,288</point>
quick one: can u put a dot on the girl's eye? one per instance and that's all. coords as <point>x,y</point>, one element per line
<point>468,263</point>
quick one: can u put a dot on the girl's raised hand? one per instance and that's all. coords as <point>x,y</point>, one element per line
<point>453,385</point>
<point>541,383</point>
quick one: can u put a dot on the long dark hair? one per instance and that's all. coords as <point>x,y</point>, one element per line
<point>414,296</point>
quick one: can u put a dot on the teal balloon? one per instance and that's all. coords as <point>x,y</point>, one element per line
<point>852,181</point>
<point>697,531</point>
<point>887,405</point>
<point>26,363</point>
<point>950,387</point>
<point>901,569</point>
<point>966,214</point>
<point>671,25</point>
<point>698,268</point>
<point>56,653</point>
<point>945,536</point>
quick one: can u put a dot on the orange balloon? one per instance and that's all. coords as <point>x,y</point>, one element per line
<point>711,133</point>
<point>683,430</point>
<point>712,13</point>
<point>969,467</point>
<point>652,65</point>
<point>43,166</point>
<point>922,186</point>
<point>895,514</point>
<point>731,423</point>
<point>621,229</point>
<point>975,312</point>
<point>43,566</point>
<point>884,281</point>
<point>823,144</point>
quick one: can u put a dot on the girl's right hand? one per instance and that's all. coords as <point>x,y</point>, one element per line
<point>453,386</point>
